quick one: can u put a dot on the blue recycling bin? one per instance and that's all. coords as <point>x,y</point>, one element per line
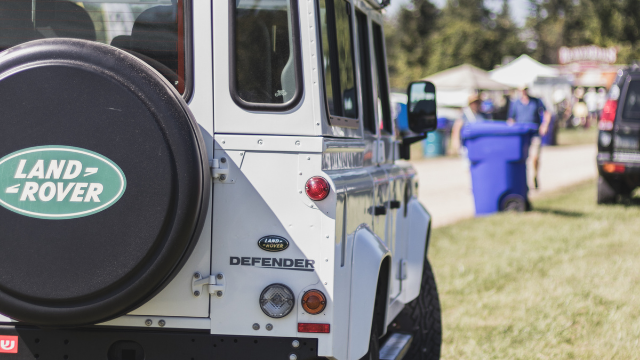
<point>498,156</point>
<point>436,142</point>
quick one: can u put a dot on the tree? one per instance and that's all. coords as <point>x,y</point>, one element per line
<point>469,33</point>
<point>407,37</point>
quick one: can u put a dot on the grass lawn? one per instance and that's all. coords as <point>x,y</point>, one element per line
<point>578,136</point>
<point>561,282</point>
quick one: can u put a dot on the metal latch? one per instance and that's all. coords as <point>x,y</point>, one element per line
<point>219,168</point>
<point>215,283</point>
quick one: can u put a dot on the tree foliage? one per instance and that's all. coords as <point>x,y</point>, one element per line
<point>423,39</point>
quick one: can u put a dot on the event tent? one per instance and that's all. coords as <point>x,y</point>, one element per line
<point>453,86</point>
<point>522,71</point>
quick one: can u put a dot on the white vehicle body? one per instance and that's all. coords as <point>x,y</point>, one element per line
<point>370,230</point>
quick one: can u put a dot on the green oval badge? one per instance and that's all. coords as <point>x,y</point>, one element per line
<point>59,182</point>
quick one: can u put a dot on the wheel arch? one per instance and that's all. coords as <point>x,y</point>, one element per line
<point>370,273</point>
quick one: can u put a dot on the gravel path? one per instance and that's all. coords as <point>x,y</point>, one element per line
<point>445,183</point>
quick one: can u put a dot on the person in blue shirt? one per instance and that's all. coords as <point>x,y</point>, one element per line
<point>527,109</point>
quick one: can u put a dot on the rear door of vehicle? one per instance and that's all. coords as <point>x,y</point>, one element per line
<point>626,139</point>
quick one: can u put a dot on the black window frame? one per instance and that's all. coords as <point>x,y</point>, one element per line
<point>297,63</point>
<point>334,120</point>
<point>380,59</point>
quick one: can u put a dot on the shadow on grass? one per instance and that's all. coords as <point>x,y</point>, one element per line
<point>565,213</point>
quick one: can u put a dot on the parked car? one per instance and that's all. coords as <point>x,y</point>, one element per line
<point>619,139</point>
<point>208,179</point>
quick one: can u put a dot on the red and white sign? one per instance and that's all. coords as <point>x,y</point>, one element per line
<point>588,54</point>
<point>8,344</point>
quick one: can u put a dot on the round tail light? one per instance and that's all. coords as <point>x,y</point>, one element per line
<point>314,302</point>
<point>276,301</point>
<point>317,188</point>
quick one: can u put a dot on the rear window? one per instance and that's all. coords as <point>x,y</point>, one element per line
<point>152,30</point>
<point>265,69</point>
<point>632,102</point>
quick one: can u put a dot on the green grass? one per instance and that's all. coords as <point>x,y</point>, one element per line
<point>561,282</point>
<point>578,136</point>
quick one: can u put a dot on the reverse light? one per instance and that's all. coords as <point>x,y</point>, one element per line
<point>613,168</point>
<point>277,301</point>
<point>317,188</point>
<point>608,115</point>
<point>314,328</point>
<point>314,302</point>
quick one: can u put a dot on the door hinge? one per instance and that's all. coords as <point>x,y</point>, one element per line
<point>214,282</point>
<point>402,270</point>
<point>220,170</point>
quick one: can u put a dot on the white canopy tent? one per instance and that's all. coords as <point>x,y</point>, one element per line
<point>455,85</point>
<point>523,71</point>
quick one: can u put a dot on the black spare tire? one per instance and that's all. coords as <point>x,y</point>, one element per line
<point>123,181</point>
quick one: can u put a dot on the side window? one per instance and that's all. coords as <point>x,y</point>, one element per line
<point>632,102</point>
<point>338,62</point>
<point>265,65</point>
<point>383,103</point>
<point>368,109</point>
<point>155,32</point>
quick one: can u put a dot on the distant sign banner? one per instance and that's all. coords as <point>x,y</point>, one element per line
<point>588,54</point>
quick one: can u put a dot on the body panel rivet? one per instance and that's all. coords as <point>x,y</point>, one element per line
<point>269,327</point>
<point>256,326</point>
<point>219,293</point>
<point>293,357</point>
<point>219,276</point>
<point>196,275</point>
<point>223,160</point>
<point>162,323</point>
<point>295,343</point>
<point>148,322</point>
<point>196,293</point>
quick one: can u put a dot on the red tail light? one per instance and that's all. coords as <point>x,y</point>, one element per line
<point>608,115</point>
<point>313,328</point>
<point>317,188</point>
<point>613,168</point>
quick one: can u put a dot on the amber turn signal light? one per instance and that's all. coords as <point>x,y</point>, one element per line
<point>613,168</point>
<point>314,302</point>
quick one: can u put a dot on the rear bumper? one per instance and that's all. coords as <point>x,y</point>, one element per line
<point>134,344</point>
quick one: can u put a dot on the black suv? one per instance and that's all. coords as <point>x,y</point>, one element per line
<point>619,138</point>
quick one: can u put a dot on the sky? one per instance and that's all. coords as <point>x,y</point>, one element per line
<point>518,7</point>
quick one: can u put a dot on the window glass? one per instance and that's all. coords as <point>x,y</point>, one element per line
<point>338,58</point>
<point>264,51</point>
<point>383,103</point>
<point>368,111</point>
<point>632,102</point>
<point>152,30</point>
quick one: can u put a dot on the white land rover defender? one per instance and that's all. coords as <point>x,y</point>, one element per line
<point>208,179</point>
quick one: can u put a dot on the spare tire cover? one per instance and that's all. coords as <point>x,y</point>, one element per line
<point>104,182</point>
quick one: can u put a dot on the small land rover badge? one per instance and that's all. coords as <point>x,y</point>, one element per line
<point>273,243</point>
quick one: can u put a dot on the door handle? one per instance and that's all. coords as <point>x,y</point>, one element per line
<point>378,210</point>
<point>394,204</point>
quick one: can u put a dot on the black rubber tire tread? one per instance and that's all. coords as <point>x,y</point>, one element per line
<point>374,345</point>
<point>422,318</point>
<point>606,192</point>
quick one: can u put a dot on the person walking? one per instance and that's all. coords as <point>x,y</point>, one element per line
<point>470,114</point>
<point>528,109</point>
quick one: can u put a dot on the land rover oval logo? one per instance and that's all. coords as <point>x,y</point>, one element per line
<point>59,182</point>
<point>273,243</point>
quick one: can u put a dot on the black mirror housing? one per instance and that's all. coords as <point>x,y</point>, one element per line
<point>422,107</point>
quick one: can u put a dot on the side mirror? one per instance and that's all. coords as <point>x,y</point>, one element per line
<point>422,107</point>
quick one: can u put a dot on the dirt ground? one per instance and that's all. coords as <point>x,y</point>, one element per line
<point>445,183</point>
